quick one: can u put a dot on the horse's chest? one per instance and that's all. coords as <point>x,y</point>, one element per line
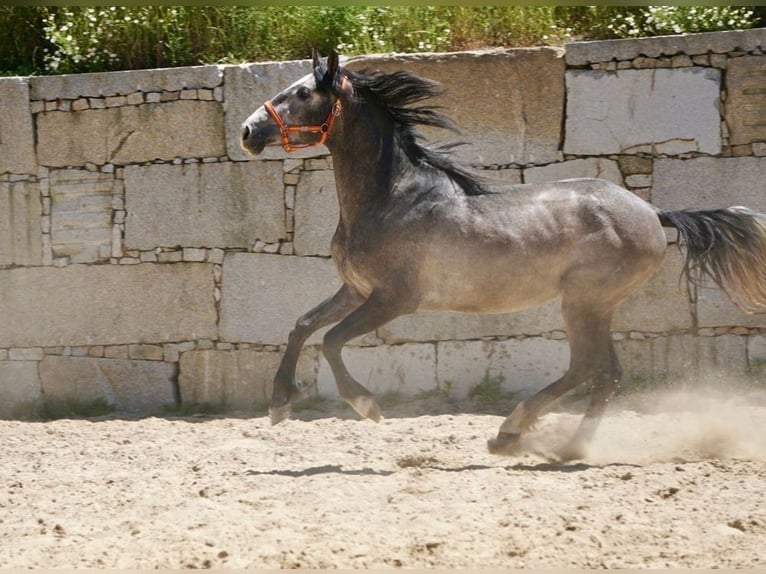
<point>351,269</point>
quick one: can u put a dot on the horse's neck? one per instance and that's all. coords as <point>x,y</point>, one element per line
<point>365,160</point>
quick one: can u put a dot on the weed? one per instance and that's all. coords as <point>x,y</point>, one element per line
<point>489,390</point>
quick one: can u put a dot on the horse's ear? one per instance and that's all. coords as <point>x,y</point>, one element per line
<point>315,57</point>
<point>332,65</point>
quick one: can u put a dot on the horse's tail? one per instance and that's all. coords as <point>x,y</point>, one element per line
<point>727,245</point>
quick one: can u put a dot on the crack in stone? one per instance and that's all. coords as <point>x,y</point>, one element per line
<point>120,144</point>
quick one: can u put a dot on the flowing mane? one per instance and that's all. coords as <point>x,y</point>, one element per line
<point>396,94</point>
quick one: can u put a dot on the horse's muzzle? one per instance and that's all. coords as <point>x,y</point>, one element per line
<point>250,140</point>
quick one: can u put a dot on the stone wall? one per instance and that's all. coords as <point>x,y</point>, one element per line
<point>146,261</point>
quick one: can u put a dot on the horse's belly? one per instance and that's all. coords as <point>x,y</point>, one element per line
<point>490,291</point>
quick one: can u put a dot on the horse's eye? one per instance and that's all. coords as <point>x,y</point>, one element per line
<point>304,93</point>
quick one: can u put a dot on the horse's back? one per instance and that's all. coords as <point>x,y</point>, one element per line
<point>521,245</point>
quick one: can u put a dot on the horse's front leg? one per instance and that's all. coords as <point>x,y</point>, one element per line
<point>331,310</point>
<point>379,308</point>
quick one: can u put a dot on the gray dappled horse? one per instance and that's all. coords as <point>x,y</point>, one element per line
<point>418,231</point>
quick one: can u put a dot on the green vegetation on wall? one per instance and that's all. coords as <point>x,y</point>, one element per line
<point>56,40</point>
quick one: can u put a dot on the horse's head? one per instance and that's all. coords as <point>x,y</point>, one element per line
<point>301,115</point>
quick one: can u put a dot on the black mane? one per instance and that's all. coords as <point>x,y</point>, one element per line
<point>396,93</point>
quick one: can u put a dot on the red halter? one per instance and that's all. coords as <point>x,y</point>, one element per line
<point>322,129</point>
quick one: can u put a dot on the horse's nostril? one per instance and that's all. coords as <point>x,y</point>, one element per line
<point>245,133</point>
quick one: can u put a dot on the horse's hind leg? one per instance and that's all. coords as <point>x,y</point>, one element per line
<point>592,357</point>
<point>376,311</point>
<point>605,384</point>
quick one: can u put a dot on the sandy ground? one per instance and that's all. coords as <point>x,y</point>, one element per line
<point>672,481</point>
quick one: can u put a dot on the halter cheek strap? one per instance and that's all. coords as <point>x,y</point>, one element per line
<point>322,129</point>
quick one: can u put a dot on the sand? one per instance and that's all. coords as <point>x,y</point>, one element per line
<point>672,480</point>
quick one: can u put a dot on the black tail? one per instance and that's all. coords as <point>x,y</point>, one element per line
<point>727,245</point>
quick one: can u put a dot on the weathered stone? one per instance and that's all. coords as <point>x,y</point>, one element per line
<point>20,388</point>
<point>756,352</point>
<point>20,223</point>
<point>681,357</point>
<point>26,354</point>
<point>591,167</point>
<point>17,138</point>
<point>746,99</point>
<point>81,214</point>
<point>639,180</point>
<point>714,309</point>
<point>316,213</point>
<point>525,365</point>
<point>661,304</point>
<point>505,117</point>
<point>406,369</point>
<point>582,53</point>
<point>246,87</point>
<point>146,352</point>
<point>106,304</point>
<point>123,83</point>
<point>130,386</point>
<point>131,134</point>
<point>709,183</point>
<point>263,295</point>
<point>211,205</point>
<point>238,380</point>
<point>632,111</point>
<point>443,326</point>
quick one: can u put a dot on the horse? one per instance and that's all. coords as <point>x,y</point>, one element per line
<point>418,230</point>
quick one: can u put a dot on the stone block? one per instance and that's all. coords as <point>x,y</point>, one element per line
<point>506,117</point>
<point>525,365</point>
<point>316,213</point>
<point>20,223</point>
<point>709,183</point>
<point>246,87</point>
<point>746,99</point>
<point>406,369</point>
<point>444,326</point>
<point>106,304</point>
<point>131,134</point>
<point>128,386</point>
<point>238,380</point>
<point>682,358</point>
<point>652,111</point>
<point>20,388</point>
<point>583,53</point>
<point>714,309</point>
<point>756,351</point>
<point>203,205</point>
<point>263,295</point>
<point>81,214</point>
<point>73,86</point>
<point>661,304</point>
<point>592,167</point>
<point>17,138</point>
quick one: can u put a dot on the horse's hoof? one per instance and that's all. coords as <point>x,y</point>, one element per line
<point>505,444</point>
<point>278,414</point>
<point>366,407</point>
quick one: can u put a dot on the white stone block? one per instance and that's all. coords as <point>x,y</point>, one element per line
<point>653,111</point>
<point>592,167</point>
<point>263,295</point>
<point>203,205</point>
<point>17,138</point>
<point>20,387</point>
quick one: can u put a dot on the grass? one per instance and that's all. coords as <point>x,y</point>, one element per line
<point>71,39</point>
<point>489,389</point>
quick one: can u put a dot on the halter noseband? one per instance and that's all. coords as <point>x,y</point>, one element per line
<point>322,129</point>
